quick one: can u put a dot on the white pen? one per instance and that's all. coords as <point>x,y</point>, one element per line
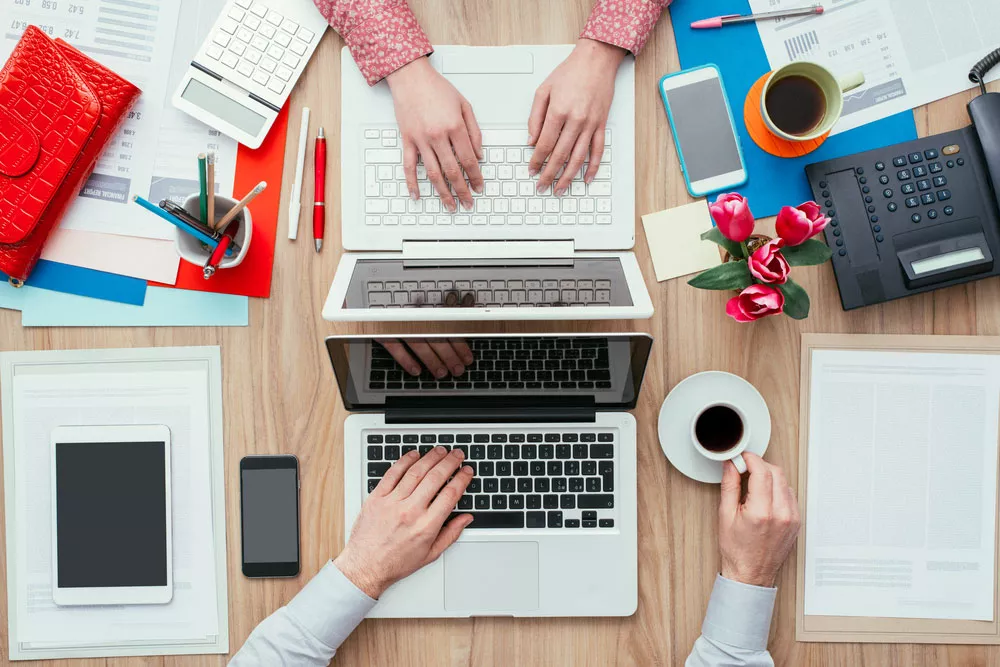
<point>295,204</point>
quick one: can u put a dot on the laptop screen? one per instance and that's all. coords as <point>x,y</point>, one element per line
<point>602,371</point>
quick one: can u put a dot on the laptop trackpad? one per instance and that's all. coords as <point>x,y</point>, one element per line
<point>491,577</point>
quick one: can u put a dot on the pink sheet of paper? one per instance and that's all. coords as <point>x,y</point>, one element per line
<point>155,260</point>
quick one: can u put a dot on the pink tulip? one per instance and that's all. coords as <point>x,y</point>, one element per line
<point>733,217</point>
<point>796,224</point>
<point>767,264</point>
<point>755,302</point>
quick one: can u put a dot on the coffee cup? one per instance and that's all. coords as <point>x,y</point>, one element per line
<point>721,432</point>
<point>803,100</point>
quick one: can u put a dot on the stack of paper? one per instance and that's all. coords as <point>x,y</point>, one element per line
<point>117,246</point>
<point>178,387</point>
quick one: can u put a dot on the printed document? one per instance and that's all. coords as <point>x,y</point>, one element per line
<point>912,52</point>
<point>902,485</point>
<point>155,151</point>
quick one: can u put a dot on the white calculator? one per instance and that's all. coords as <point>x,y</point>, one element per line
<point>243,73</point>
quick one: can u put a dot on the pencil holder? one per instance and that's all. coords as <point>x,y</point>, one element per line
<point>192,250</point>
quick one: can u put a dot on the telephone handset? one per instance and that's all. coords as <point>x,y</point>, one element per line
<point>919,215</point>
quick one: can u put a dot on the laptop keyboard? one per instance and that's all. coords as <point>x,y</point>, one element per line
<point>508,198</point>
<point>534,364</point>
<point>486,293</point>
<point>523,479</point>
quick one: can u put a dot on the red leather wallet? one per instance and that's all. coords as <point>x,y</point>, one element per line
<point>58,110</point>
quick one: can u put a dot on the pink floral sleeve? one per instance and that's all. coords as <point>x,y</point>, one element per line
<point>623,23</point>
<point>383,35</point>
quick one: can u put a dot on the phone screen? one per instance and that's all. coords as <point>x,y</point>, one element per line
<point>703,130</point>
<point>269,504</point>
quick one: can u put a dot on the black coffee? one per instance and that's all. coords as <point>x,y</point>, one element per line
<point>796,104</point>
<point>719,428</point>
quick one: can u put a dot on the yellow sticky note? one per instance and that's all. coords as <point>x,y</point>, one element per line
<point>674,238</point>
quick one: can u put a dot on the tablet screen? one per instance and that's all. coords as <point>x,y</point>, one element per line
<point>111,514</point>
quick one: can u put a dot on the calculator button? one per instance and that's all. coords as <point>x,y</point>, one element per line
<point>903,174</point>
<point>228,25</point>
<point>892,207</point>
<point>371,134</point>
<point>880,166</point>
<point>229,59</point>
<point>268,65</point>
<point>305,34</point>
<point>923,184</point>
<point>244,68</point>
<point>919,171</point>
<point>244,35</point>
<point>290,26</point>
<point>935,167</point>
<point>268,30</point>
<point>238,48</point>
<point>899,161</point>
<point>282,39</point>
<point>887,193</point>
<point>261,78</point>
<point>291,60</point>
<point>927,198</point>
<point>916,157</point>
<point>236,14</point>
<point>259,43</point>
<point>948,210</point>
<point>932,214</point>
<point>943,195</point>
<point>274,18</point>
<point>214,51</point>
<point>275,52</point>
<point>276,86</point>
<point>931,153</point>
<point>298,47</point>
<point>883,179</point>
<point>940,181</point>
<point>912,202</point>
<point>915,217</point>
<point>245,4</point>
<point>907,188</point>
<point>260,9</point>
<point>222,39</point>
<point>253,55</point>
<point>284,73</point>
<point>251,22</point>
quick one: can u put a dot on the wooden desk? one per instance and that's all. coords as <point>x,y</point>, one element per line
<point>280,397</point>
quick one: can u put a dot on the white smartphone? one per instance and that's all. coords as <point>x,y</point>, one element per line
<point>703,129</point>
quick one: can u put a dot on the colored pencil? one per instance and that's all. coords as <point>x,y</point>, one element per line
<point>210,177</point>
<point>242,204</point>
<point>203,184</point>
<point>176,222</point>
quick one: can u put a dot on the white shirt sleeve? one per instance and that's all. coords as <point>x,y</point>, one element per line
<point>736,627</point>
<point>308,631</point>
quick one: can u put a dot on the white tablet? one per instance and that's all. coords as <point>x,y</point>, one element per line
<point>111,537</point>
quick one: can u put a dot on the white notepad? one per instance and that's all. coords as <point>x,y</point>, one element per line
<point>178,387</point>
<point>902,484</point>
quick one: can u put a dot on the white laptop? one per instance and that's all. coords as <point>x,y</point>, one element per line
<point>554,491</point>
<point>519,253</point>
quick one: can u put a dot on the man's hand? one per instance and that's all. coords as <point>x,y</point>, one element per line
<point>756,537</point>
<point>402,526</point>
<point>440,356</point>
<point>570,112</point>
<point>437,124</point>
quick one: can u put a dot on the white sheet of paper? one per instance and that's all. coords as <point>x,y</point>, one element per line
<point>150,259</point>
<point>155,151</point>
<point>674,239</point>
<point>912,52</point>
<point>902,485</point>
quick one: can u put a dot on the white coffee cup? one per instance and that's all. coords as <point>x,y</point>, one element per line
<point>734,453</point>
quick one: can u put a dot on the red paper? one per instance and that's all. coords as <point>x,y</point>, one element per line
<point>253,276</point>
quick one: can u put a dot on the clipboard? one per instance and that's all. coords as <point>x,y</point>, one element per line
<point>856,629</point>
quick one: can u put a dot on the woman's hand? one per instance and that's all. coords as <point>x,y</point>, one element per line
<point>570,112</point>
<point>437,124</point>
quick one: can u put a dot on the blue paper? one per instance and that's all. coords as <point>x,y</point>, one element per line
<point>739,54</point>
<point>86,282</point>
<point>164,307</point>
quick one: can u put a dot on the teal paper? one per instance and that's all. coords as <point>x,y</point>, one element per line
<point>164,307</point>
<point>11,297</point>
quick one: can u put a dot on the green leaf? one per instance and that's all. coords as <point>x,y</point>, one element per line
<point>796,300</point>
<point>728,276</point>
<point>810,252</point>
<point>715,236</point>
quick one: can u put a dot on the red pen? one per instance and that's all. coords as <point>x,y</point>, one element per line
<point>228,237</point>
<point>319,207</point>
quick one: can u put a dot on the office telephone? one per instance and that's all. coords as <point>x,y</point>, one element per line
<point>918,215</point>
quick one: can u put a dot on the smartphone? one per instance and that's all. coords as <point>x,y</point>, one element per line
<point>269,515</point>
<point>703,129</point>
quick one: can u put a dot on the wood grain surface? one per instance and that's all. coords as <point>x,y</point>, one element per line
<point>280,397</point>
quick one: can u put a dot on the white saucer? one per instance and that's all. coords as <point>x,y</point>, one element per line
<point>691,395</point>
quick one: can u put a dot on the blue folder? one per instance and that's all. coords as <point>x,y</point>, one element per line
<point>77,280</point>
<point>739,54</point>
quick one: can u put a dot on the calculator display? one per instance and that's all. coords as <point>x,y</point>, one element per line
<point>223,107</point>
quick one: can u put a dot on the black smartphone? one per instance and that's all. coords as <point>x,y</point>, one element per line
<point>269,515</point>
